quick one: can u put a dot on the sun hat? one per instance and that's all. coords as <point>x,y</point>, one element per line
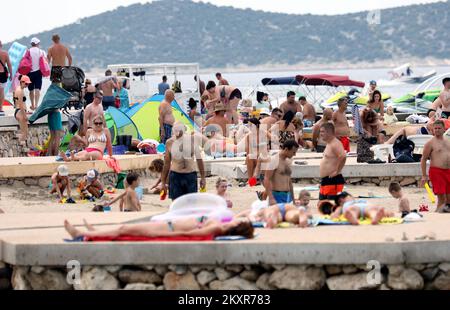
<point>92,174</point>
<point>219,107</point>
<point>35,41</point>
<point>63,171</point>
<point>25,79</point>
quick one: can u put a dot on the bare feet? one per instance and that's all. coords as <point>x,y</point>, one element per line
<point>88,226</point>
<point>63,156</point>
<point>72,156</point>
<point>351,217</point>
<point>302,219</point>
<point>75,233</point>
<point>378,216</point>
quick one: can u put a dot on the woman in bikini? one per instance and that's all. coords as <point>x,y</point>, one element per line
<point>276,214</point>
<point>202,226</point>
<point>97,140</point>
<point>20,108</point>
<point>257,150</point>
<point>285,127</point>
<point>376,103</point>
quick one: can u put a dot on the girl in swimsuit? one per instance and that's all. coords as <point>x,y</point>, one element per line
<point>20,112</point>
<point>376,103</point>
<point>202,226</point>
<point>97,140</point>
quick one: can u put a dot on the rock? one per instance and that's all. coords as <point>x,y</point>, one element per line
<point>97,278</point>
<point>249,275</point>
<point>48,280</point>
<point>204,277</point>
<point>195,269</point>
<point>37,269</point>
<point>181,270</point>
<point>279,267</point>
<point>18,184</point>
<point>139,276</point>
<point>140,287</point>
<point>396,270</point>
<point>113,269</point>
<point>444,267</point>
<point>357,281</point>
<point>223,274</point>
<point>418,267</point>
<point>384,183</point>
<point>263,282</point>
<point>442,282</point>
<point>19,280</point>
<point>429,273</point>
<point>172,281</point>
<point>235,283</point>
<point>349,269</point>
<point>367,180</point>
<point>298,278</point>
<point>376,181</point>
<point>147,267</point>
<point>408,181</point>
<point>333,269</point>
<point>30,181</point>
<point>234,268</point>
<point>44,182</point>
<point>408,279</point>
<point>161,270</point>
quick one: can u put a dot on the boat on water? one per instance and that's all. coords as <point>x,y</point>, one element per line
<point>405,74</point>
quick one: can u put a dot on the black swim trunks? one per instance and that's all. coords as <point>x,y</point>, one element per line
<point>56,74</point>
<point>331,187</point>
<point>181,184</point>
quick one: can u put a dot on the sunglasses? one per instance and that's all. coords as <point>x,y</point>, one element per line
<point>98,124</point>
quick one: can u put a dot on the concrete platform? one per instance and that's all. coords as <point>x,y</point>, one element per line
<point>32,240</point>
<point>352,169</point>
<point>22,167</point>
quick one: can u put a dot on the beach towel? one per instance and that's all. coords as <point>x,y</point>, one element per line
<point>143,239</point>
<point>326,220</point>
<point>113,164</point>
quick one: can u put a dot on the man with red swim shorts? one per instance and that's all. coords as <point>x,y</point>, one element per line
<point>340,122</point>
<point>438,151</point>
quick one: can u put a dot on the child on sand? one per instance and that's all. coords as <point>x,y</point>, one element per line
<point>221,187</point>
<point>354,209</point>
<point>303,200</point>
<point>156,166</point>
<point>390,117</point>
<point>61,183</point>
<point>403,202</point>
<point>90,185</point>
<point>130,199</point>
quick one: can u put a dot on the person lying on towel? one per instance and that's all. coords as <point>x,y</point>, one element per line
<point>201,226</point>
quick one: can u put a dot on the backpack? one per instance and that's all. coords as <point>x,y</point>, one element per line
<point>403,150</point>
<point>72,78</point>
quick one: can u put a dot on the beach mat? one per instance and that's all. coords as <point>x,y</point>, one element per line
<point>318,221</point>
<point>143,239</point>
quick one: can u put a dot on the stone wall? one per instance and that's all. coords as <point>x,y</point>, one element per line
<point>231,277</point>
<point>9,143</point>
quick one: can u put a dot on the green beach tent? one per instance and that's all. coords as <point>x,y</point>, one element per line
<point>119,124</point>
<point>145,116</point>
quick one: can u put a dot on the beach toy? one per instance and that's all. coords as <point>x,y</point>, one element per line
<point>64,200</point>
<point>252,182</point>
<point>139,192</point>
<point>161,148</point>
<point>107,209</point>
<point>203,190</point>
<point>163,195</point>
<point>430,193</point>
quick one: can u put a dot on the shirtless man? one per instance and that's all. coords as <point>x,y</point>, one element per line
<point>182,151</point>
<point>331,166</point>
<point>166,118</point>
<point>57,55</point>
<point>445,98</point>
<point>267,122</point>
<point>108,87</point>
<point>212,98</point>
<point>5,65</point>
<point>437,150</point>
<point>290,104</point>
<point>222,81</point>
<point>309,113</point>
<point>277,179</point>
<point>219,119</point>
<point>92,111</point>
<point>341,126</point>
<point>318,144</point>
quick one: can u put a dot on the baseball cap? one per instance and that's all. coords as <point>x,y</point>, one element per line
<point>63,171</point>
<point>92,174</point>
<point>25,79</point>
<point>264,111</point>
<point>373,82</point>
<point>35,41</point>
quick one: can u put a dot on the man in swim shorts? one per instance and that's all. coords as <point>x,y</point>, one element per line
<point>340,122</point>
<point>438,151</point>
<point>334,158</point>
<point>277,176</point>
<point>166,118</point>
<point>57,56</point>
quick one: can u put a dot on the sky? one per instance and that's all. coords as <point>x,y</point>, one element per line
<point>37,16</point>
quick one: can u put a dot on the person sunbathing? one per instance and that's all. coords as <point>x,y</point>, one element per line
<point>201,226</point>
<point>354,209</point>
<point>97,139</point>
<point>276,214</point>
<point>217,145</point>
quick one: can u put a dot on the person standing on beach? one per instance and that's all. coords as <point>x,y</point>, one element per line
<point>57,56</point>
<point>222,81</point>
<point>341,124</point>
<point>35,74</point>
<point>318,144</point>
<point>182,151</point>
<point>5,75</point>
<point>291,104</point>
<point>445,98</point>
<point>166,118</point>
<point>212,99</point>
<point>55,127</point>
<point>437,150</point>
<point>163,86</point>
<point>331,166</point>
<point>202,86</point>
<point>274,117</point>
<point>277,179</point>
<point>309,113</point>
<point>108,87</point>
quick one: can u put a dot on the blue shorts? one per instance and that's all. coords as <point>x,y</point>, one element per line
<point>167,133</point>
<point>55,121</point>
<point>282,197</point>
<point>108,101</point>
<point>36,80</point>
<point>181,184</point>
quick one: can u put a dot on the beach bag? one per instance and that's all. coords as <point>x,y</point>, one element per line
<point>25,64</point>
<point>44,67</point>
<point>4,75</point>
<point>364,154</point>
<point>403,150</point>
